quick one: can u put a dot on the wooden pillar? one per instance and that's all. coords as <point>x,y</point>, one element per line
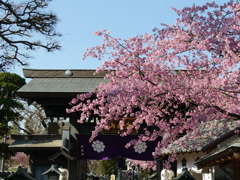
<point>75,165</point>
<point>236,155</point>
<point>236,170</point>
<point>82,169</point>
<point>32,163</point>
<point>159,167</point>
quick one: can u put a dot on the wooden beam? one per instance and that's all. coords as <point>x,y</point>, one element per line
<point>220,161</point>
<point>229,163</point>
<point>229,157</point>
<point>236,155</point>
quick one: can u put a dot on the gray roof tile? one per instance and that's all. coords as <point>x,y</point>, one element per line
<point>218,129</point>
<point>225,149</point>
<point>46,85</point>
<point>26,142</point>
<point>40,73</point>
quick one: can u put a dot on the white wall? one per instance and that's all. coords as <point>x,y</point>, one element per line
<point>190,157</point>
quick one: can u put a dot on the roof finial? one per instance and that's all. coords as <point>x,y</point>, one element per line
<point>68,73</point>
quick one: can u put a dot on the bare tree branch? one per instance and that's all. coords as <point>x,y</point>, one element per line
<point>22,25</point>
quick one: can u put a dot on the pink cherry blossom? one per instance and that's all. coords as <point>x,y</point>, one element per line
<point>173,79</point>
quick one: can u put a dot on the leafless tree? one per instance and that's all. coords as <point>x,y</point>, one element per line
<point>25,25</point>
<point>94,167</point>
<point>34,119</point>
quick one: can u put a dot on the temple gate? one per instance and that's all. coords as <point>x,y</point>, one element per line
<point>53,90</point>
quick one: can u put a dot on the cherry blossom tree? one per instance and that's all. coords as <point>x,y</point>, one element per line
<point>20,159</point>
<point>148,165</point>
<point>170,80</point>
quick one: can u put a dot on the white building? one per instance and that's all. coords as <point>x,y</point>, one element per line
<point>211,135</point>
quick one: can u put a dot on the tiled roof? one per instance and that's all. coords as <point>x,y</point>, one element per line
<point>61,152</point>
<point>65,85</point>
<point>209,132</point>
<point>20,174</point>
<point>47,83</point>
<point>185,175</point>
<point>224,150</point>
<point>53,168</point>
<point>56,73</point>
<point>35,142</point>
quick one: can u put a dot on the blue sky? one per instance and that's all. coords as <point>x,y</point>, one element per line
<point>80,18</point>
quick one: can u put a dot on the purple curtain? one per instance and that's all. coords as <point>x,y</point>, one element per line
<point>111,146</point>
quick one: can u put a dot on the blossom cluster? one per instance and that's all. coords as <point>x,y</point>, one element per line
<point>170,80</point>
<point>143,164</point>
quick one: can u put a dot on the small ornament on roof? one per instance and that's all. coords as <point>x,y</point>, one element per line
<point>68,73</point>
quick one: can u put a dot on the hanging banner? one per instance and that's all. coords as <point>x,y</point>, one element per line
<point>111,146</point>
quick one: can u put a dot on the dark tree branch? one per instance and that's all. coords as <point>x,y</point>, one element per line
<point>21,27</point>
